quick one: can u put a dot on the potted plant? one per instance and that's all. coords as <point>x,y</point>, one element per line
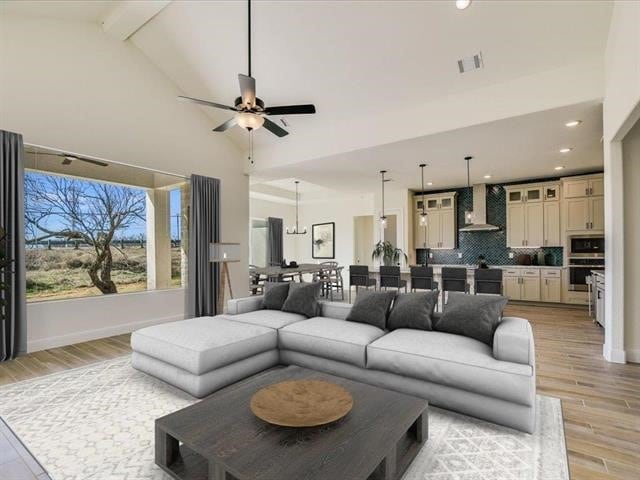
<point>387,254</point>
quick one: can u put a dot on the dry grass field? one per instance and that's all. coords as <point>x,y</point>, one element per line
<point>62,272</point>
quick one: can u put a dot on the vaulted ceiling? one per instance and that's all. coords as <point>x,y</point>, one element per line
<point>379,72</point>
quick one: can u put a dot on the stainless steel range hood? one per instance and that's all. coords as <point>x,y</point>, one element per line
<point>479,212</point>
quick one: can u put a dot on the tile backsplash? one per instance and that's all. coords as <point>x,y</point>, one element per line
<point>493,245</point>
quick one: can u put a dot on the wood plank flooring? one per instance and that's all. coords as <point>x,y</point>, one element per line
<point>600,400</point>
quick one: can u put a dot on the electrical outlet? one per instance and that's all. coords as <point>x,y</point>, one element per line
<point>459,255</point>
<point>430,255</point>
<point>510,254</point>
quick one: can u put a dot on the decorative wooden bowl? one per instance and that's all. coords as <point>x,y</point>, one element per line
<point>301,403</point>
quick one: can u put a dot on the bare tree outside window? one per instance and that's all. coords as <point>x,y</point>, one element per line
<point>87,212</point>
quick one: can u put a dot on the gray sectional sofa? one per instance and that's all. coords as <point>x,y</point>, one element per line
<point>202,355</point>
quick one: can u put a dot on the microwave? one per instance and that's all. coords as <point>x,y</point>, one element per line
<point>586,246</point>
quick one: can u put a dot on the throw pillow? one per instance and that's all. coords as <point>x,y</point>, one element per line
<point>413,310</point>
<point>303,299</point>
<point>372,308</point>
<point>474,316</point>
<point>275,293</point>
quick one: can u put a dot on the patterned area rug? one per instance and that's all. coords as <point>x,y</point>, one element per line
<point>96,423</point>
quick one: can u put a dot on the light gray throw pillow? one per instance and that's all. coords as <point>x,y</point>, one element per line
<point>303,299</point>
<point>372,308</point>
<point>474,316</point>
<point>275,293</point>
<point>413,310</point>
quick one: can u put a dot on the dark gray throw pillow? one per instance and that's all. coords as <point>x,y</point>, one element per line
<point>413,310</point>
<point>303,299</point>
<point>372,308</point>
<point>474,316</point>
<point>275,293</point>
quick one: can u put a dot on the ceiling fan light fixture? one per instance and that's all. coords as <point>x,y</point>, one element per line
<point>250,121</point>
<point>462,4</point>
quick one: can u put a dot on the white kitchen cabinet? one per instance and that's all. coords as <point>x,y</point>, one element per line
<point>551,286</point>
<point>521,284</point>
<point>552,224</point>
<point>441,230</point>
<point>583,203</point>
<point>533,216</point>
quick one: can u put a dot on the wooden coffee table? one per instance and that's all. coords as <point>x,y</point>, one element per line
<point>219,438</point>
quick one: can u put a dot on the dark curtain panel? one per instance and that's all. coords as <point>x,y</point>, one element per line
<point>13,326</point>
<point>204,228</point>
<point>275,247</point>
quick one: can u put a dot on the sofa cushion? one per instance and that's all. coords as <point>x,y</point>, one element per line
<point>303,299</point>
<point>413,310</point>
<point>371,308</point>
<point>474,316</point>
<point>202,344</point>
<point>267,318</point>
<point>275,293</point>
<point>452,360</point>
<point>330,338</point>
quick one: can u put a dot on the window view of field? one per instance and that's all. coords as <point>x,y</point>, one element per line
<point>87,238</point>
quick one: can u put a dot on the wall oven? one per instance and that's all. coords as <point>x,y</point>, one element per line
<point>580,269</point>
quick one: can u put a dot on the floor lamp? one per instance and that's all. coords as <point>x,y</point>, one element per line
<point>224,253</point>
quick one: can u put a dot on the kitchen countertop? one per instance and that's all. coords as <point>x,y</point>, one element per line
<point>437,267</point>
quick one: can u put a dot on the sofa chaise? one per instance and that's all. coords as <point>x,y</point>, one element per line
<point>202,355</point>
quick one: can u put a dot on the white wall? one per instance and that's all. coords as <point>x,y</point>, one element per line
<point>631,169</point>
<point>68,85</point>
<point>340,210</point>
<point>621,110</point>
<point>260,208</point>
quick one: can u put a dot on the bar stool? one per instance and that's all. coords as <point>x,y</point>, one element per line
<point>390,277</point>
<point>454,279</point>
<point>359,277</point>
<point>422,279</point>
<point>488,280</point>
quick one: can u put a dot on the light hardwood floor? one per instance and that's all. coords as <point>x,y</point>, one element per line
<point>601,401</point>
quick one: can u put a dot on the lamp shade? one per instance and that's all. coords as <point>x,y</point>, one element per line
<point>224,252</point>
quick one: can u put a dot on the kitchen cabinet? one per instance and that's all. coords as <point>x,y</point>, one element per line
<point>584,203</point>
<point>551,286</point>
<point>441,231</point>
<point>521,284</point>
<point>533,216</point>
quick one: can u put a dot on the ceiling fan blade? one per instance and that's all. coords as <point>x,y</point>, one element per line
<point>290,110</point>
<point>274,128</point>
<point>247,89</point>
<point>232,122</point>
<point>206,103</point>
<point>89,160</point>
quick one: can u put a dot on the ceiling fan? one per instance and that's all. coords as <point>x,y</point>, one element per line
<point>67,158</point>
<point>251,113</point>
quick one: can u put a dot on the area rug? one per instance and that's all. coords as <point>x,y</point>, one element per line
<point>97,423</point>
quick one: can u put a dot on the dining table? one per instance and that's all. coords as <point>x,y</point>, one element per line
<point>280,272</point>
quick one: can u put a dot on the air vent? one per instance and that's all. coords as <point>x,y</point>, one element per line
<point>472,62</point>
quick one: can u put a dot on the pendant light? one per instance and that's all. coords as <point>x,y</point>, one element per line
<point>383,218</point>
<point>296,230</point>
<point>468,214</point>
<point>423,215</point>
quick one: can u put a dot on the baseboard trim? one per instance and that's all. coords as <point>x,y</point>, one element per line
<point>633,356</point>
<point>613,354</point>
<point>87,335</point>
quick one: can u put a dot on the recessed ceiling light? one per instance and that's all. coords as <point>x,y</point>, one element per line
<point>559,167</point>
<point>565,150</point>
<point>462,4</point>
<point>487,176</point>
<point>429,183</point>
<point>573,123</point>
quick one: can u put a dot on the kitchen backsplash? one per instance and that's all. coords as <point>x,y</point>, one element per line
<point>493,245</point>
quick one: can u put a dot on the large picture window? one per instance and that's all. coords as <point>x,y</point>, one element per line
<point>98,228</point>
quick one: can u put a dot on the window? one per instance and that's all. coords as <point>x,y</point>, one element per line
<point>97,228</point>
<point>258,235</point>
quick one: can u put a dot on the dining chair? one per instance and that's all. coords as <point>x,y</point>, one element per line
<point>332,281</point>
<point>487,280</point>
<point>454,279</point>
<point>422,279</point>
<point>359,277</point>
<point>256,281</point>
<point>390,277</point>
